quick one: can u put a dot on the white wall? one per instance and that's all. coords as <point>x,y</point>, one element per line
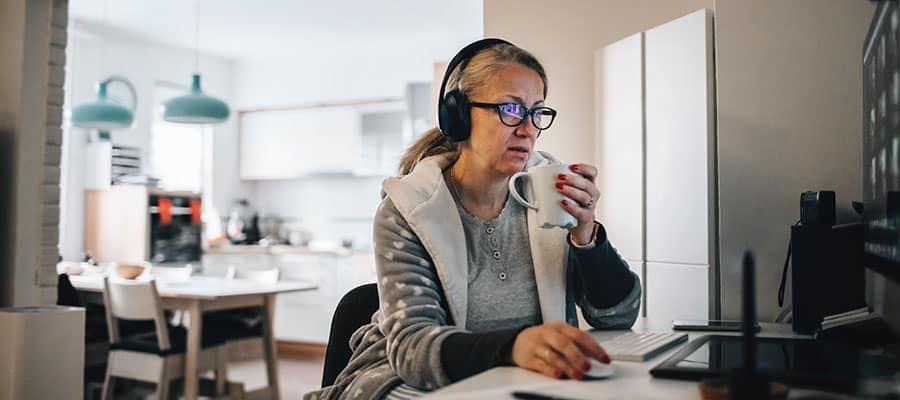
<point>564,36</point>
<point>95,52</point>
<point>789,120</point>
<point>789,88</point>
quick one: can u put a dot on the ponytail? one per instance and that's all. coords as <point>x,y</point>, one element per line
<point>432,142</point>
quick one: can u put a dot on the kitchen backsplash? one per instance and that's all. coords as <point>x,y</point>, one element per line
<point>330,207</point>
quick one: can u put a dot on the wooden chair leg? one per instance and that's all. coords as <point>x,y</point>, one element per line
<point>162,386</point>
<point>107,385</point>
<point>235,391</point>
<point>221,369</point>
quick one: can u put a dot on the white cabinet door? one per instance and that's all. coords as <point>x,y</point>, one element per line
<point>292,143</point>
<point>306,316</point>
<point>363,267</point>
<point>676,291</point>
<point>680,139</point>
<point>302,317</point>
<point>619,144</point>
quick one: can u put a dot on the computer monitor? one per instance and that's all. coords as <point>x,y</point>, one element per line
<point>881,141</point>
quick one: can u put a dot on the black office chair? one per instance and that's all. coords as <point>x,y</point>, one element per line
<point>353,311</point>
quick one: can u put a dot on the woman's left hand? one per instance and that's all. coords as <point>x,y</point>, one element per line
<point>581,188</point>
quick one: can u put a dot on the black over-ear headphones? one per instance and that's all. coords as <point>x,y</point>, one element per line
<point>454,118</point>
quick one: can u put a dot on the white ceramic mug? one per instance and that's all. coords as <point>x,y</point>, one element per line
<point>541,190</point>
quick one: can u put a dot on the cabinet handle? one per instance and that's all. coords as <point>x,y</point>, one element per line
<point>174,210</point>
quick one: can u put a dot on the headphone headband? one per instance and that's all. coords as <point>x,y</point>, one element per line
<point>464,54</point>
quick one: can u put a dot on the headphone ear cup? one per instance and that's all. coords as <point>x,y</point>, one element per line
<point>453,116</point>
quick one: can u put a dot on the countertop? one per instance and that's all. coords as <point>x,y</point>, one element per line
<point>283,249</point>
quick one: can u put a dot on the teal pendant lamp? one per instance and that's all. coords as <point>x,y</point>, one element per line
<point>105,113</point>
<point>195,107</point>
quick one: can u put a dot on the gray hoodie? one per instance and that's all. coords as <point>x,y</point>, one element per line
<point>421,261</point>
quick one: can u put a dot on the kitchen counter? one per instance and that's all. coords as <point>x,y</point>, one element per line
<point>283,249</point>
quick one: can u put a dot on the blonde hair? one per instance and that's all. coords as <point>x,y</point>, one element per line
<point>468,77</point>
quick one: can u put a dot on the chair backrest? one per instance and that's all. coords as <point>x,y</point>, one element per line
<point>353,311</point>
<point>259,275</point>
<point>66,295</point>
<point>134,301</point>
<point>172,273</point>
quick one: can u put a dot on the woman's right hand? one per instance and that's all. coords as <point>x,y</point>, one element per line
<point>556,349</point>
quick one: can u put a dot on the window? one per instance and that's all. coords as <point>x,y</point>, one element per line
<point>180,154</point>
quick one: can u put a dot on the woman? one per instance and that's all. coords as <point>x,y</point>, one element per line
<point>465,279</point>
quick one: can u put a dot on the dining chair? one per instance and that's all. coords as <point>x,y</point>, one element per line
<point>159,356</point>
<point>242,328</point>
<point>172,273</point>
<point>175,317</point>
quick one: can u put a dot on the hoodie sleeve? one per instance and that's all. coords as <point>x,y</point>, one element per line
<point>415,321</point>
<point>608,293</point>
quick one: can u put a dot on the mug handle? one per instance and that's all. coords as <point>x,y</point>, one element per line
<point>515,193</point>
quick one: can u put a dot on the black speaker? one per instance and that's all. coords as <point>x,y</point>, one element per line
<point>827,274</point>
<point>817,208</point>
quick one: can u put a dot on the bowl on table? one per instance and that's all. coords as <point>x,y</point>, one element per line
<point>129,270</point>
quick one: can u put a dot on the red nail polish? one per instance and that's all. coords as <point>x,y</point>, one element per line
<point>563,202</point>
<point>574,168</point>
<point>586,366</point>
<point>605,359</point>
<point>557,374</point>
<point>559,185</point>
<point>561,177</point>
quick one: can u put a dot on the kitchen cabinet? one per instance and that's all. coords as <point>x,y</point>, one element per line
<point>301,316</point>
<point>382,129</point>
<point>281,144</point>
<point>362,138</point>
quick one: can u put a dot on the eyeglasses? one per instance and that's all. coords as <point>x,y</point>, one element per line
<point>512,114</point>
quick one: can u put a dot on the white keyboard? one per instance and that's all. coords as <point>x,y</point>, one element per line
<point>641,346</point>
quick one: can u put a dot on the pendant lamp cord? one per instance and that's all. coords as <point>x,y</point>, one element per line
<point>196,37</point>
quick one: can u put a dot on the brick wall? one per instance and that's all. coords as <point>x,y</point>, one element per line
<point>56,60</point>
<point>32,41</point>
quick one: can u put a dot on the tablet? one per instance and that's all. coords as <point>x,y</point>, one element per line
<point>799,362</point>
<point>710,325</point>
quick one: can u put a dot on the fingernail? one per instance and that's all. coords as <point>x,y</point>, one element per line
<point>559,185</point>
<point>574,168</point>
<point>586,366</point>
<point>557,374</point>
<point>605,359</point>
<point>561,177</point>
<point>563,202</point>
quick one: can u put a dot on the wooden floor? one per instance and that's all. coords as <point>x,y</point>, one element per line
<point>298,375</point>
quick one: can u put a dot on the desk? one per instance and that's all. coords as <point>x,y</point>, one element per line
<point>201,293</point>
<point>632,380</point>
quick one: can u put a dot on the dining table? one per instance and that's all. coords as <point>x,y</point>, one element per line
<point>195,295</point>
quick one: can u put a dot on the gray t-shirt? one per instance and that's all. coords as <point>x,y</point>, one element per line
<point>502,287</point>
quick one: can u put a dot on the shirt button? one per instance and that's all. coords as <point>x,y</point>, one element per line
<point>489,230</point>
<point>496,255</point>
<point>502,276</point>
